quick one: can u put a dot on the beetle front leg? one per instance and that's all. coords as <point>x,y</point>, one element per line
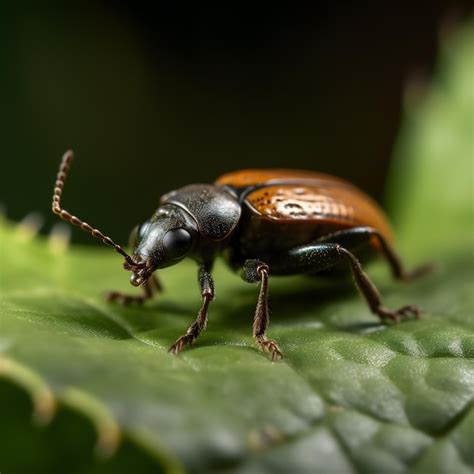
<point>207,292</point>
<point>151,287</point>
<point>255,270</point>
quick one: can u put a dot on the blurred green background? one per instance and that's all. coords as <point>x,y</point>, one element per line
<point>155,97</point>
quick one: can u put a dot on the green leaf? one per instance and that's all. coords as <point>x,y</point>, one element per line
<point>351,395</point>
<point>431,190</point>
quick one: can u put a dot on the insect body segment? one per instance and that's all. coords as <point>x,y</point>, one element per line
<point>263,223</point>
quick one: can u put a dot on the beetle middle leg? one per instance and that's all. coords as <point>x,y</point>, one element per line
<point>207,292</point>
<point>322,256</point>
<point>151,287</point>
<point>253,271</point>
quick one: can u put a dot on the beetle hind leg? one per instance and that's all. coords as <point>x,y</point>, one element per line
<point>255,270</point>
<point>398,270</point>
<point>322,256</point>
<point>371,294</point>
<point>357,237</point>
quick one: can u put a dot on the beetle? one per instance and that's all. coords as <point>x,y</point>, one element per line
<point>262,221</point>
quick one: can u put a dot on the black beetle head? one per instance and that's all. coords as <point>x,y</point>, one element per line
<point>162,241</point>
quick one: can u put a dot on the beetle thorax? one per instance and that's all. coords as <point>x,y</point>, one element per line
<point>215,211</point>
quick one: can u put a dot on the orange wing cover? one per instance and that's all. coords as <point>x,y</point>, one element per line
<point>292,195</point>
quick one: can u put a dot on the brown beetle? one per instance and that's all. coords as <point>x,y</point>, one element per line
<point>279,222</point>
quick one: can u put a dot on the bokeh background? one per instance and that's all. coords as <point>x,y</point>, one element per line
<point>152,97</point>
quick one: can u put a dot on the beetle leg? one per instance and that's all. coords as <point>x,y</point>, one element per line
<point>207,292</point>
<point>398,271</point>
<point>320,257</point>
<point>255,270</point>
<point>371,294</point>
<point>151,287</point>
<point>360,236</point>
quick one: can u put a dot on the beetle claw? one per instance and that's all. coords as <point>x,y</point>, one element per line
<point>123,298</point>
<point>420,271</point>
<point>186,340</point>
<point>396,316</point>
<point>270,346</point>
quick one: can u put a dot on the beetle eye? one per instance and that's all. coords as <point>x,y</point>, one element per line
<point>177,243</point>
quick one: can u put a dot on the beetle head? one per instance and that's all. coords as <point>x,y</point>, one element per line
<point>164,240</point>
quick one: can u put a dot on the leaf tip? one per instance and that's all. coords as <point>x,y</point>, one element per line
<point>29,226</point>
<point>44,408</point>
<point>59,238</point>
<point>42,398</point>
<point>108,440</point>
<point>108,431</point>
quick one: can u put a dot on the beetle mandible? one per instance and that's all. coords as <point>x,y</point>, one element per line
<point>279,222</point>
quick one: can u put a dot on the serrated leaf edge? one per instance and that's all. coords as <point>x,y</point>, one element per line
<point>109,433</point>
<point>42,397</point>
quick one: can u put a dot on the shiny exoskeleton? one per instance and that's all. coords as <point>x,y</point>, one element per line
<point>278,222</point>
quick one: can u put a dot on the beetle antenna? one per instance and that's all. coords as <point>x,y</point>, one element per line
<point>68,157</point>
